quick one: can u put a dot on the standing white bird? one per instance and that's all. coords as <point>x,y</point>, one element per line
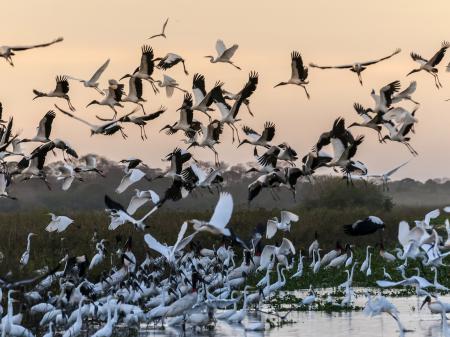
<point>224,54</point>
<point>299,73</point>
<point>59,223</point>
<point>7,51</point>
<point>61,91</point>
<point>365,264</point>
<point>92,82</point>
<point>26,254</point>
<point>283,225</point>
<point>357,67</point>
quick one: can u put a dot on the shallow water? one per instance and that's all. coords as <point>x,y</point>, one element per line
<point>342,324</point>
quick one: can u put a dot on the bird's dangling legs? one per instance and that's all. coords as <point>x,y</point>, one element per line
<point>232,130</point>
<point>142,107</point>
<point>235,65</point>
<point>184,68</point>
<point>306,91</point>
<point>99,91</point>
<point>69,103</point>
<point>360,78</point>
<point>152,83</point>
<point>248,108</point>
<point>237,132</point>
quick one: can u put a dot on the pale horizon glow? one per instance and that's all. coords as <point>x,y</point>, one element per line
<point>324,32</point>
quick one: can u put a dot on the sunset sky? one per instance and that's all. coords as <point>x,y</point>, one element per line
<point>324,32</point>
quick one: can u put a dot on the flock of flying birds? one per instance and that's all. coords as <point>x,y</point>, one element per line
<point>189,285</point>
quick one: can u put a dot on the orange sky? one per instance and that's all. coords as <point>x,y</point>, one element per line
<point>325,32</point>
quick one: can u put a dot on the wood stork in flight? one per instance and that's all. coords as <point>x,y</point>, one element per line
<point>92,82</point>
<point>357,67</point>
<point>141,121</point>
<point>224,54</point>
<point>204,100</point>
<point>107,129</point>
<point>61,91</point>
<point>229,113</point>
<point>257,139</point>
<point>146,67</point>
<point>251,85</point>
<point>210,137</point>
<point>430,65</point>
<point>113,97</point>
<point>163,32</point>
<point>44,129</point>
<point>169,61</point>
<point>7,51</point>
<point>299,73</point>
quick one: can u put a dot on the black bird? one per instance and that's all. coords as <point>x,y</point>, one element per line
<point>367,226</point>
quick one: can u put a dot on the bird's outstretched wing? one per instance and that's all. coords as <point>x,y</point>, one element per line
<point>391,172</point>
<point>368,63</point>
<point>222,212</point>
<point>19,48</point>
<point>99,72</point>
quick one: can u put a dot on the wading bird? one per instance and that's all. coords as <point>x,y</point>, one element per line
<point>26,254</point>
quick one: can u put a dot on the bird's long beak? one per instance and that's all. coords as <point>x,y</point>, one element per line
<point>423,303</point>
<point>411,72</point>
<point>277,85</point>
<point>124,76</point>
